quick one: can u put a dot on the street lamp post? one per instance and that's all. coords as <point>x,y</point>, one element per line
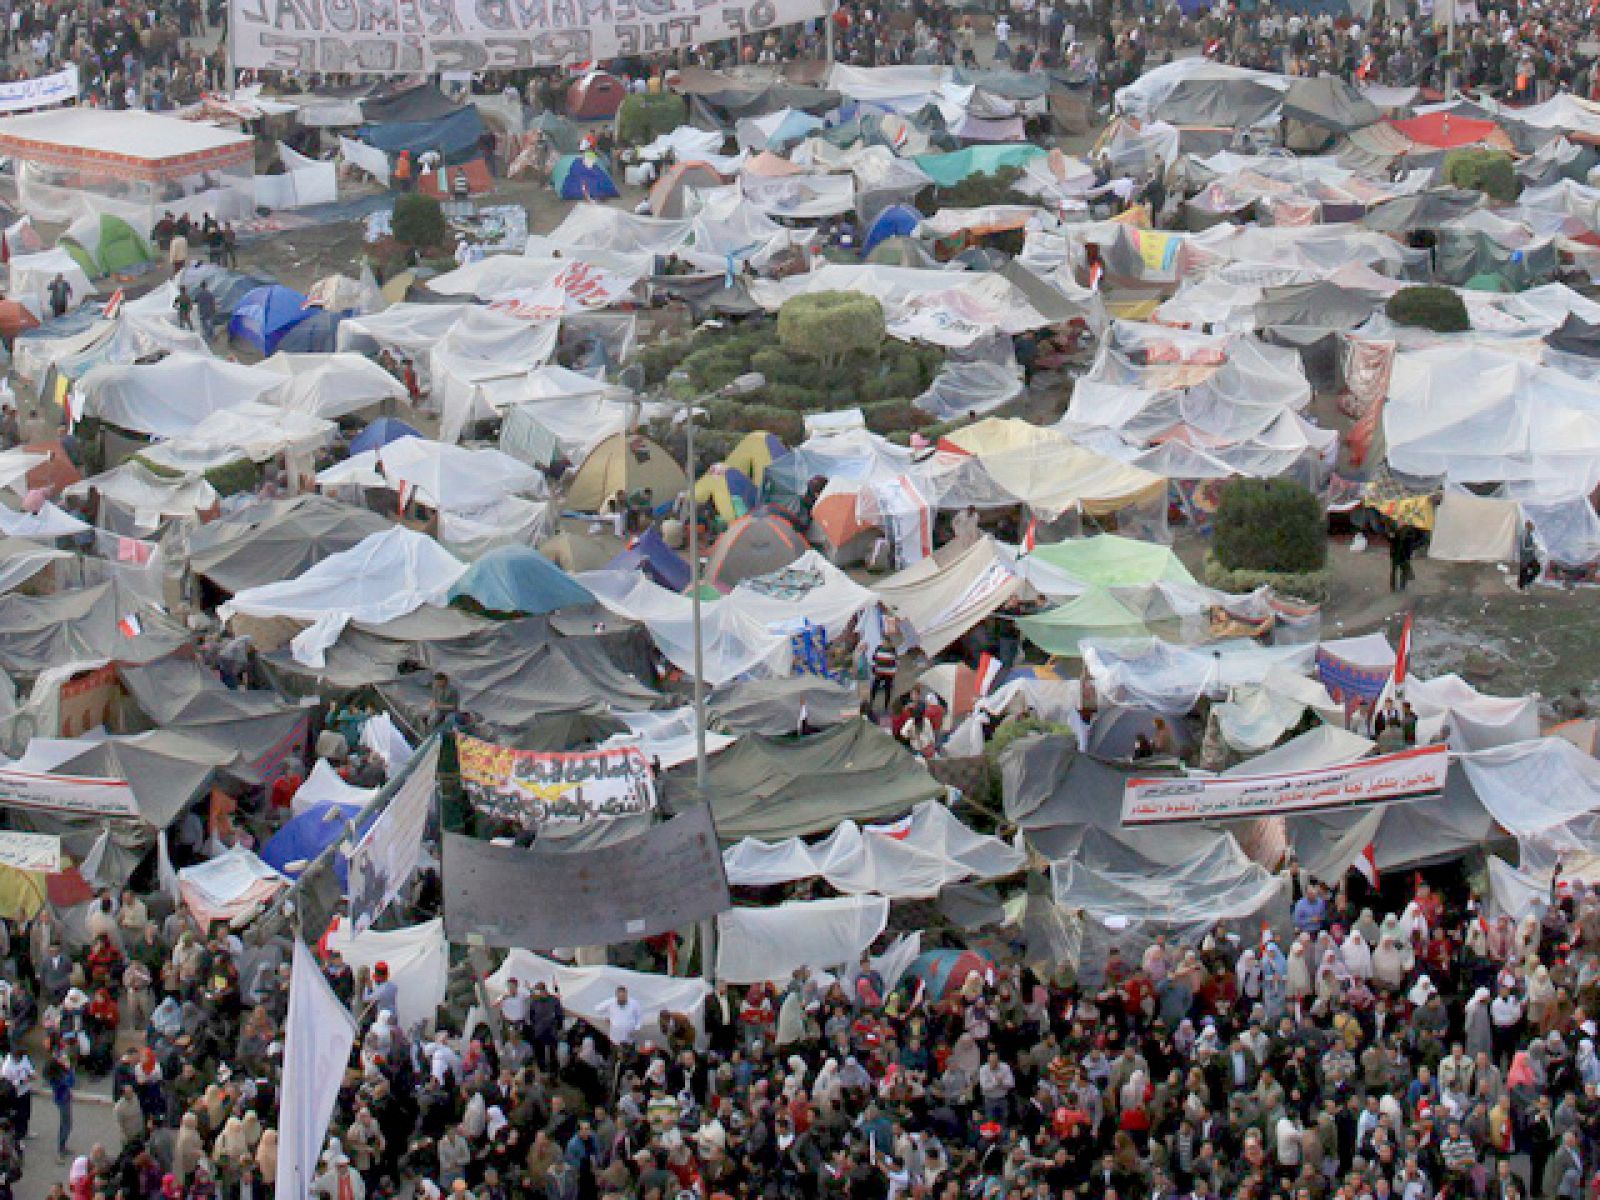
<point>707,927</point>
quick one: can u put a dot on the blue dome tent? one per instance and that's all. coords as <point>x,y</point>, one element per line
<point>266,314</point>
<point>380,433</point>
<point>518,579</point>
<point>898,220</point>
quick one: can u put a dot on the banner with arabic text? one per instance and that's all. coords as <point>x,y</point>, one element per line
<point>1393,778</point>
<point>533,788</point>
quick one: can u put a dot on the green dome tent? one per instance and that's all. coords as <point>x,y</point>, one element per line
<point>105,244</point>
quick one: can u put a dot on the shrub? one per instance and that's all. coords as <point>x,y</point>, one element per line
<point>1435,308</point>
<point>1014,729</point>
<point>418,220</point>
<point>1310,586</point>
<point>976,191</point>
<point>1481,170</point>
<point>1269,525</point>
<point>828,326</point>
<point>643,118</point>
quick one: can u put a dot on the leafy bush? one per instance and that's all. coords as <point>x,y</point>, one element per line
<point>1481,170</point>
<point>976,191</point>
<point>1014,729</point>
<point>828,326</point>
<point>418,220</point>
<point>1310,586</point>
<point>1269,525</point>
<point>643,118</point>
<point>1435,308</point>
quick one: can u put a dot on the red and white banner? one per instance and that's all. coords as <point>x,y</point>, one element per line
<point>78,795</point>
<point>575,288</point>
<point>1394,778</point>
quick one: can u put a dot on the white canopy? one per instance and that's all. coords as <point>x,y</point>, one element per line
<point>761,945</point>
<point>167,399</point>
<point>385,576</point>
<point>909,859</point>
<point>332,385</point>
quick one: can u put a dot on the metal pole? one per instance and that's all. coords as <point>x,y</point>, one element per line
<point>828,31</point>
<point>694,602</point>
<point>707,928</point>
<point>1450,50</point>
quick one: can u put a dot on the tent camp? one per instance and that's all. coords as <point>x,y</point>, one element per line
<point>626,463</point>
<point>265,315</point>
<point>582,177</point>
<point>898,220</point>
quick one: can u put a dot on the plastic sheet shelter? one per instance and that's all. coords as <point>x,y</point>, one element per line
<point>277,539</point>
<point>518,579</point>
<point>73,162</point>
<point>627,463</point>
<point>773,788</point>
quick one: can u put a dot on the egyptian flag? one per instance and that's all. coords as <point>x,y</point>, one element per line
<point>1030,539</point>
<point>1402,658</point>
<point>130,626</point>
<point>1097,270</point>
<point>898,830</point>
<point>114,305</point>
<point>989,671</point>
<point>1366,865</point>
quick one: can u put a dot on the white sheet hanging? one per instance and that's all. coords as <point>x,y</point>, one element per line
<point>762,945</point>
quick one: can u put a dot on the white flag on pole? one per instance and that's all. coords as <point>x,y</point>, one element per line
<point>318,1036</point>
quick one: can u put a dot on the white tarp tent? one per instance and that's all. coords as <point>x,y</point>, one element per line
<point>332,385</point>
<point>385,576</point>
<point>1469,528</point>
<point>914,858</point>
<point>584,989</point>
<point>418,958</point>
<point>762,945</point>
<point>169,398</point>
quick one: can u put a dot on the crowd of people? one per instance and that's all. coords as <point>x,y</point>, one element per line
<point>1434,1053</point>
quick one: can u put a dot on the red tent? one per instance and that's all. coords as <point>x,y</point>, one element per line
<point>1445,132</point>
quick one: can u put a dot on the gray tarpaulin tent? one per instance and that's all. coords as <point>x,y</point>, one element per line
<point>1220,103</point>
<point>177,693</point>
<point>770,788</point>
<point>1329,103</point>
<point>511,675</point>
<point>772,706</point>
<point>1402,836</point>
<point>1424,210</point>
<point>1318,305</point>
<point>669,878</point>
<point>166,772</point>
<point>37,632</point>
<point>277,539</point>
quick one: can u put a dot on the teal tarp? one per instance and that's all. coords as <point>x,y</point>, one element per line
<point>949,169</point>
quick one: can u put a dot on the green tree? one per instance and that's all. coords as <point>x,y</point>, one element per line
<point>830,326</point>
<point>1269,525</point>
<point>1478,169</point>
<point>1437,308</point>
<point>419,221</point>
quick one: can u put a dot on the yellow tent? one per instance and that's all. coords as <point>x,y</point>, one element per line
<point>1049,472</point>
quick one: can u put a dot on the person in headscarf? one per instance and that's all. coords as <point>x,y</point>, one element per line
<point>1299,970</point>
<point>231,1145</point>
<point>1479,1030</point>
<point>1274,981</point>
<point>853,1076</point>
<point>1248,972</point>
<point>791,1020</point>
<point>187,1148</point>
<point>1367,927</point>
<point>267,1157</point>
<point>1588,1062</point>
<point>1388,964</point>
<point>1357,955</point>
<point>1541,992</point>
<point>1526,943</point>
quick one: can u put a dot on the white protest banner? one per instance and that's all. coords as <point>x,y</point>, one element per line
<point>534,788</point>
<point>318,1035</point>
<point>1410,775</point>
<point>81,795</point>
<point>404,37</point>
<point>31,852</point>
<point>23,94</point>
<point>576,287</point>
<point>385,857</point>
